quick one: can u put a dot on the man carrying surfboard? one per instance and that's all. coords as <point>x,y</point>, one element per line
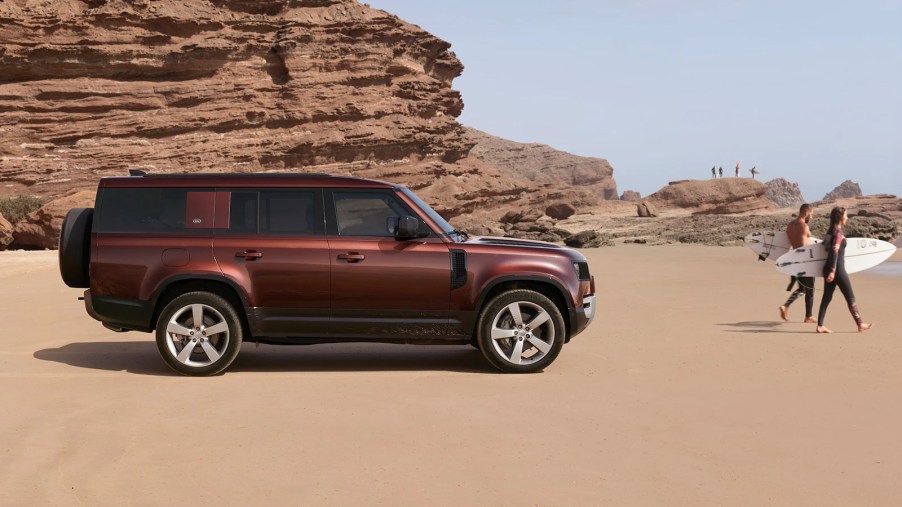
<point>799,235</point>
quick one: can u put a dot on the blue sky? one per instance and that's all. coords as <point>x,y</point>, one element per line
<point>808,91</point>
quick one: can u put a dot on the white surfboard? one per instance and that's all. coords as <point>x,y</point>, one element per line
<point>770,244</point>
<point>861,254</point>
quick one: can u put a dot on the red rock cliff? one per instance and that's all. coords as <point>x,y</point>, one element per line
<point>94,87</point>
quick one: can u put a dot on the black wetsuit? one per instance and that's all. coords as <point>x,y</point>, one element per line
<point>806,287</point>
<point>836,250</point>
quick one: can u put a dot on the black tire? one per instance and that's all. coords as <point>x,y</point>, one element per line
<point>75,247</point>
<point>538,345</point>
<point>187,347</point>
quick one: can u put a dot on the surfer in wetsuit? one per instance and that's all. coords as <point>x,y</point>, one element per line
<point>800,235</point>
<point>835,271</point>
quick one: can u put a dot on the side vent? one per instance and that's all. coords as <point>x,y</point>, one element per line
<point>458,269</point>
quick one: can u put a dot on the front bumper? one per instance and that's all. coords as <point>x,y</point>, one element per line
<point>583,315</point>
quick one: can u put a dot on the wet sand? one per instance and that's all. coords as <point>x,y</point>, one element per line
<point>687,390</point>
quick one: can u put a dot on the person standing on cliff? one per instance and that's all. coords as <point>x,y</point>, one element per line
<point>800,235</point>
<point>754,171</point>
<point>737,169</point>
<point>721,171</point>
<point>713,172</point>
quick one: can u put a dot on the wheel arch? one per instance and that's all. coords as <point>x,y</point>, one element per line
<point>548,287</point>
<point>219,285</point>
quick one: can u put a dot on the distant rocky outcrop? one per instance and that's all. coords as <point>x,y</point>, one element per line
<point>588,239</point>
<point>784,194</point>
<point>6,233</point>
<point>631,196</point>
<point>720,196</point>
<point>41,229</point>
<point>845,190</point>
<point>560,211</point>
<point>543,164</point>
<point>646,209</point>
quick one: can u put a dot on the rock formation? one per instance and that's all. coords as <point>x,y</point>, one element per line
<point>631,195</point>
<point>6,233</point>
<point>91,88</point>
<point>41,229</point>
<point>720,196</point>
<point>845,190</point>
<point>543,164</point>
<point>784,194</point>
<point>646,209</point>
<point>560,211</point>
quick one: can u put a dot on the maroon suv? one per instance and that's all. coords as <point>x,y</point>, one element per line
<point>209,261</point>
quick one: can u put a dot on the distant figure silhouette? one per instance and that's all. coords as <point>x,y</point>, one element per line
<point>713,172</point>
<point>754,171</point>
<point>737,169</point>
<point>721,172</point>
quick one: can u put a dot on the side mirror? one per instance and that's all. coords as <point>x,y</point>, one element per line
<point>407,227</point>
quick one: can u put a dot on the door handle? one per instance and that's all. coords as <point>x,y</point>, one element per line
<point>351,257</point>
<point>249,255</point>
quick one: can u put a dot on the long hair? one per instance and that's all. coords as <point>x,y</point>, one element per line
<point>835,218</point>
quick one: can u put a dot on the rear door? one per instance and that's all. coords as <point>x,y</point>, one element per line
<point>272,242</point>
<point>382,287</point>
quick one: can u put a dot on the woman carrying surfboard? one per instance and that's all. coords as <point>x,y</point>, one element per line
<point>835,271</point>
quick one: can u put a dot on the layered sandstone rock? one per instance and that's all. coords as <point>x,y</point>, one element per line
<point>95,87</point>
<point>845,190</point>
<point>720,196</point>
<point>91,88</point>
<point>41,229</point>
<point>784,194</point>
<point>545,165</point>
<point>6,233</point>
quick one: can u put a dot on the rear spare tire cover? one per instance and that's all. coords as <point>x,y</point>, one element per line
<point>75,247</point>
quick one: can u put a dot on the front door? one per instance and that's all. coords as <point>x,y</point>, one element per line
<point>382,287</point>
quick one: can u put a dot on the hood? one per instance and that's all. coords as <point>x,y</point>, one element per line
<point>528,243</point>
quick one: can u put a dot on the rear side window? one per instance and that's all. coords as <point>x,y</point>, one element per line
<point>149,210</point>
<point>273,212</point>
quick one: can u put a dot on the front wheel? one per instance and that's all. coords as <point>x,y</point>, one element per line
<point>199,334</point>
<point>520,331</point>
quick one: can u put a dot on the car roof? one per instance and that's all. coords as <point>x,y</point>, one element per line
<point>263,180</point>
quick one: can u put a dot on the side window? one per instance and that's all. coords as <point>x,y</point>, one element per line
<point>273,212</point>
<point>287,212</point>
<point>154,210</point>
<point>366,213</point>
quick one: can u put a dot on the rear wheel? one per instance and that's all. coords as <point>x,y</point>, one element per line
<point>198,334</point>
<point>521,331</point>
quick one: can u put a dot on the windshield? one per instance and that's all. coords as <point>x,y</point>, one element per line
<point>441,222</point>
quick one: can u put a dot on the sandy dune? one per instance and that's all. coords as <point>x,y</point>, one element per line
<point>686,391</point>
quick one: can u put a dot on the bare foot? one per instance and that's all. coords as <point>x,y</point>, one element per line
<point>864,327</point>
<point>823,329</point>
<point>783,310</point>
<point>810,320</point>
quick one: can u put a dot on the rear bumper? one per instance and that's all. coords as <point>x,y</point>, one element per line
<point>583,316</point>
<point>120,312</point>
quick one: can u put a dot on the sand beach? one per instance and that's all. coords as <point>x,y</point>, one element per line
<point>686,390</point>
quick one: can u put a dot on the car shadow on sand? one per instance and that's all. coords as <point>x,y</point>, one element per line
<point>768,326</point>
<point>143,358</point>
